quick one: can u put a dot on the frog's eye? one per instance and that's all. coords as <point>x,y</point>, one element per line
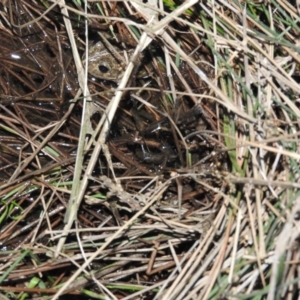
<point>103,69</point>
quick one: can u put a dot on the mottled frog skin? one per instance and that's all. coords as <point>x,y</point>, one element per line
<point>102,64</point>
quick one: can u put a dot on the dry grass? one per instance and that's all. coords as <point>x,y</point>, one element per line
<point>83,215</point>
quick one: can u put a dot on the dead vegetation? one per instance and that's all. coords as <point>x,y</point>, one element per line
<point>179,180</point>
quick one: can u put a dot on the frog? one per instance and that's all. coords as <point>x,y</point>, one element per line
<point>104,65</point>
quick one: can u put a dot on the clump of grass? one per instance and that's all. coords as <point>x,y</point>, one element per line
<point>84,213</point>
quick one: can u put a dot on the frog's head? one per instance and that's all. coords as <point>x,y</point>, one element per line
<point>103,65</point>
